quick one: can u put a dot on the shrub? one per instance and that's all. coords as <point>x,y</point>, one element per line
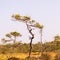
<point>57,57</point>
<point>44,57</point>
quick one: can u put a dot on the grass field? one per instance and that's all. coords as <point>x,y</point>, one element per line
<point>24,55</point>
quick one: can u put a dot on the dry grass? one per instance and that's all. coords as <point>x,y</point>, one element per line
<point>24,55</point>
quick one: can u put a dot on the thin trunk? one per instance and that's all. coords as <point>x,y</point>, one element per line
<point>31,42</point>
<point>15,40</point>
<point>41,42</point>
<point>14,43</point>
<point>30,31</point>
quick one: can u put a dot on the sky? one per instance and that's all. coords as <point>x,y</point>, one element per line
<point>46,12</point>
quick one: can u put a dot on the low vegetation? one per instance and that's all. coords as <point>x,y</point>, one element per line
<point>57,57</point>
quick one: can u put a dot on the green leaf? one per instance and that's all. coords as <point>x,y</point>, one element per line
<point>8,35</point>
<point>16,16</point>
<point>38,25</point>
<point>26,18</point>
<point>15,33</point>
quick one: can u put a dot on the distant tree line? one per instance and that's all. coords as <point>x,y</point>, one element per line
<point>24,47</point>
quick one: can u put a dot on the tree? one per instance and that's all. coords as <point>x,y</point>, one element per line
<point>10,35</point>
<point>57,38</point>
<point>41,28</point>
<point>25,19</point>
<point>29,23</point>
<point>15,34</point>
<point>57,41</point>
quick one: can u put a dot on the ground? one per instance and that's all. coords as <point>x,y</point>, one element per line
<point>24,55</point>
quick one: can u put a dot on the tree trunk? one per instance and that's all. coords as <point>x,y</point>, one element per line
<point>14,43</point>
<point>31,42</point>
<point>41,42</point>
<point>30,31</point>
<point>30,48</point>
<point>15,40</point>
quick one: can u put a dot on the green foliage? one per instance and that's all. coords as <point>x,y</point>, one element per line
<point>20,47</point>
<point>15,33</point>
<point>38,25</point>
<point>16,16</point>
<point>21,18</point>
<point>33,20</point>
<point>36,47</point>
<point>57,37</point>
<point>8,35</point>
<point>26,18</point>
<point>24,48</point>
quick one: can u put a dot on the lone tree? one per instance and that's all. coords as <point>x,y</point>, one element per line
<point>10,35</point>
<point>29,23</point>
<point>4,40</point>
<point>41,28</point>
<point>15,35</point>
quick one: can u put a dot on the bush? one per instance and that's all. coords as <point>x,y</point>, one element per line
<point>44,57</point>
<point>13,58</point>
<point>57,57</point>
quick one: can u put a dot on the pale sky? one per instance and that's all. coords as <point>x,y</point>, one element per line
<point>47,12</point>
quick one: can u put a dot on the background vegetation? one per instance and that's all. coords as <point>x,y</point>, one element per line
<point>19,47</point>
